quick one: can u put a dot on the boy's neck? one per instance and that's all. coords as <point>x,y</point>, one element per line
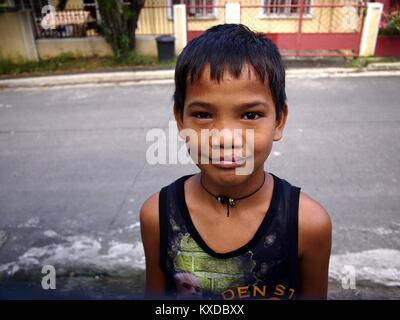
<point>247,185</point>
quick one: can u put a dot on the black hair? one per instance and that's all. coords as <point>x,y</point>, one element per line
<point>228,47</point>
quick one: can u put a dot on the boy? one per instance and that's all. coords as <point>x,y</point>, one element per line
<point>236,236</point>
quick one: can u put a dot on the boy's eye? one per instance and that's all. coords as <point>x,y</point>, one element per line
<point>202,115</point>
<point>251,115</point>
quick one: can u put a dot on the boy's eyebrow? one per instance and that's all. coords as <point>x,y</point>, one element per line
<point>242,105</point>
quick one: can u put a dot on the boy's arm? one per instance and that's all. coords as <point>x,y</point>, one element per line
<point>315,233</point>
<point>150,231</point>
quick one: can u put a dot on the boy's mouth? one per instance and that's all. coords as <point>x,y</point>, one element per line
<point>232,159</point>
<point>227,164</point>
<point>229,160</point>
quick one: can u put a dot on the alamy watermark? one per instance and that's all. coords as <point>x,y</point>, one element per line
<point>228,147</point>
<point>348,277</point>
<point>49,20</point>
<point>49,279</point>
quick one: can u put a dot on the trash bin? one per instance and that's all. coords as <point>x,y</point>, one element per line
<point>165,47</point>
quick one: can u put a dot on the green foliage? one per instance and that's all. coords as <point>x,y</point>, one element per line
<point>358,63</point>
<point>68,62</point>
<point>62,62</point>
<point>119,24</point>
<point>390,24</point>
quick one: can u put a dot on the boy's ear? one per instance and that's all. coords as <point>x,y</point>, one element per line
<point>178,118</point>
<point>280,123</point>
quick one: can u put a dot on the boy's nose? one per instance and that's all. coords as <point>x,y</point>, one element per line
<point>227,138</point>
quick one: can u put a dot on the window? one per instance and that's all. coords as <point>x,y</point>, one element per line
<point>92,7</point>
<point>286,7</point>
<point>196,8</point>
<point>200,8</point>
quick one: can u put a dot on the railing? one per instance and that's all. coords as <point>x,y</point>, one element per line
<point>202,17</point>
<point>296,27</point>
<point>338,16</point>
<point>309,27</point>
<point>69,23</point>
<point>155,18</point>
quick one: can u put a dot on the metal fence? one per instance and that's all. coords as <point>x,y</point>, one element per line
<point>298,27</point>
<point>305,27</point>
<point>201,17</point>
<point>68,23</point>
<point>324,17</point>
<point>72,22</point>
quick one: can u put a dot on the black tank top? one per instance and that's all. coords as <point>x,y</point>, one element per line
<point>264,268</point>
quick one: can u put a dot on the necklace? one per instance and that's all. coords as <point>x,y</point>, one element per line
<point>230,202</point>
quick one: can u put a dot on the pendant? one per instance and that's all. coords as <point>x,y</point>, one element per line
<point>230,202</point>
<point>222,199</point>
<point>227,200</point>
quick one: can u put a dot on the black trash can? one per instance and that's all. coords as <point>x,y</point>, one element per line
<point>165,47</point>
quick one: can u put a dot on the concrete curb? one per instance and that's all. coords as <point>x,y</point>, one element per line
<point>383,66</point>
<point>87,78</point>
<point>168,76</point>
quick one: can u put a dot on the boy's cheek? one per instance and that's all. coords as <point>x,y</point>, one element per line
<point>262,148</point>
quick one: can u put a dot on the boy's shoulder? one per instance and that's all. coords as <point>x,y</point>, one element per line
<point>311,211</point>
<point>315,225</point>
<point>313,217</point>
<point>149,211</point>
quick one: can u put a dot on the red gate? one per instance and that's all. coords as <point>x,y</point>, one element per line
<point>298,27</point>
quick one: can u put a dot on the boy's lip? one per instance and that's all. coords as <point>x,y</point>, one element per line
<point>229,158</point>
<point>234,159</point>
<point>228,162</point>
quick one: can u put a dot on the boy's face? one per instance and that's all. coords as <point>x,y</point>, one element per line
<point>244,103</point>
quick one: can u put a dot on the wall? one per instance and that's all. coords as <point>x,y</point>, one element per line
<point>388,46</point>
<point>17,42</point>
<point>90,46</point>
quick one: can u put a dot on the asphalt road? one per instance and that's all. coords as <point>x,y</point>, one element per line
<point>73,174</point>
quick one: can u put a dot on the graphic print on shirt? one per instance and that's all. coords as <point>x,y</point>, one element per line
<point>201,276</point>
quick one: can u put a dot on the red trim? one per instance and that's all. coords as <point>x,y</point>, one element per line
<point>388,46</point>
<point>386,5</point>
<point>193,34</point>
<point>360,5</point>
<point>316,41</point>
<point>299,35</point>
<point>309,41</point>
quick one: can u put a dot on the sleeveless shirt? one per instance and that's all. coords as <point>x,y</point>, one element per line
<point>266,267</point>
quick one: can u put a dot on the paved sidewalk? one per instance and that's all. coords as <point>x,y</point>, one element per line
<point>373,69</point>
